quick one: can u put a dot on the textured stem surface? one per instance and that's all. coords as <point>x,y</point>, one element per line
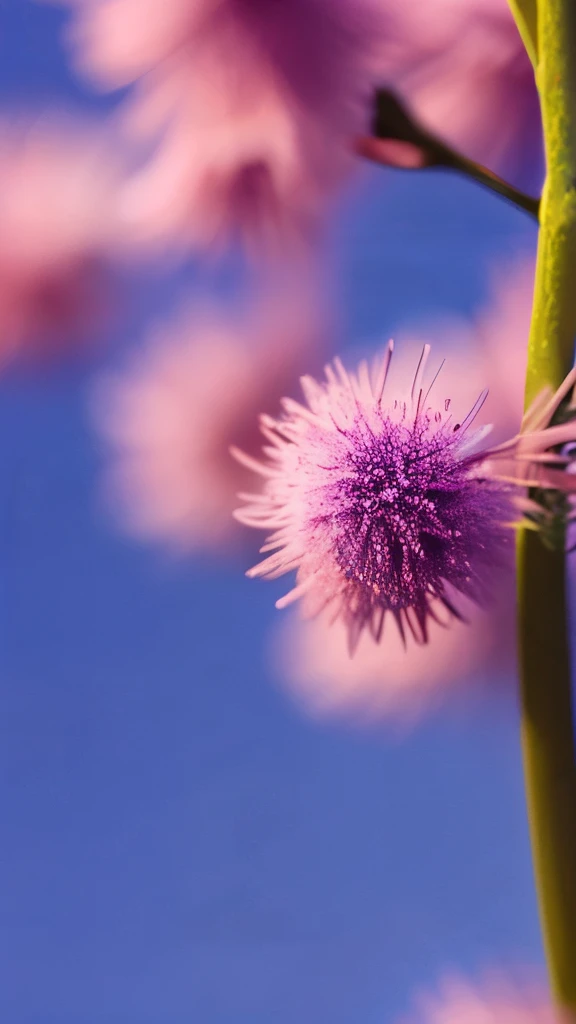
<point>548,748</point>
<point>547,724</point>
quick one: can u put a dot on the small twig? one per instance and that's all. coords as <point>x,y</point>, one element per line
<point>398,140</point>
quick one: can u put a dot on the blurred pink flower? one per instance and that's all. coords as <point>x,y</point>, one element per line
<point>462,66</point>
<point>172,413</point>
<point>252,103</point>
<point>311,659</point>
<point>498,1001</point>
<point>57,228</point>
<point>309,656</point>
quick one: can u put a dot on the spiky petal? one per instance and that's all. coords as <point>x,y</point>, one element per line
<point>386,504</point>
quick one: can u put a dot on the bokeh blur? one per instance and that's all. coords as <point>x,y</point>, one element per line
<point>209,813</point>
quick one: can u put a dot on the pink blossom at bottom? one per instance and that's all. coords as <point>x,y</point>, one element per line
<point>498,1000</point>
<point>170,415</point>
<point>58,229</point>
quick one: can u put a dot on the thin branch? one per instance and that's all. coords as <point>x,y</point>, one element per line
<point>398,140</point>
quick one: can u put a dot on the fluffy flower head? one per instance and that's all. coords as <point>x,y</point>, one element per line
<point>381,497</point>
<point>389,681</point>
<point>385,504</point>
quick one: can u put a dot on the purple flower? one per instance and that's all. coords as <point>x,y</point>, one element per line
<point>388,681</point>
<point>389,506</point>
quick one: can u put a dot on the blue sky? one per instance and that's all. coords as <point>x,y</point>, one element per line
<point>179,845</point>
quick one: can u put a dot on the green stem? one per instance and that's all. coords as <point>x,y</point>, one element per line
<point>548,750</point>
<point>547,723</point>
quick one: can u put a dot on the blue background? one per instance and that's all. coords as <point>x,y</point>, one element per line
<point>178,844</point>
